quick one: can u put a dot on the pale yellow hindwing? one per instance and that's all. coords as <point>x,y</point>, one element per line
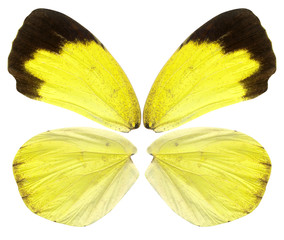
<point>209,176</point>
<point>74,176</point>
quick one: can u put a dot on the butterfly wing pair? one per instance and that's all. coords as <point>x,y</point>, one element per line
<point>77,175</point>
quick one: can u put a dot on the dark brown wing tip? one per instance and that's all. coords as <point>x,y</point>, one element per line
<point>241,29</point>
<point>42,29</point>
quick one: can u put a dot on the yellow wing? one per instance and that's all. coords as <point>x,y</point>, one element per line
<point>74,176</point>
<point>56,60</point>
<point>209,176</point>
<point>227,60</point>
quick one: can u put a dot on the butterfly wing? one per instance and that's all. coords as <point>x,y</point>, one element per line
<point>227,60</point>
<point>56,60</point>
<point>74,176</point>
<point>209,176</point>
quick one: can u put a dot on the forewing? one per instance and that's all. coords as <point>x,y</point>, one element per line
<point>227,60</point>
<point>56,60</point>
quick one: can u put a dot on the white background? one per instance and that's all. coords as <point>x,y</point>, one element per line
<point>141,35</point>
